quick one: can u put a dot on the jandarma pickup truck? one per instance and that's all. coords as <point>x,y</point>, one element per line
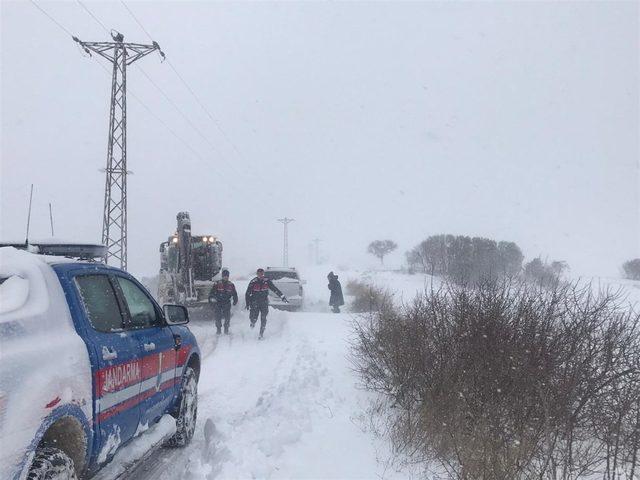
<point>88,360</point>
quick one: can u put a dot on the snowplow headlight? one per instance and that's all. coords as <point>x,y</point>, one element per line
<point>174,239</point>
<point>211,239</point>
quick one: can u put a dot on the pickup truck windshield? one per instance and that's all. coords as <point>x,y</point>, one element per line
<point>142,312</point>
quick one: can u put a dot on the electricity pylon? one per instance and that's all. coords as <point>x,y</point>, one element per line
<point>114,220</point>
<point>285,244</point>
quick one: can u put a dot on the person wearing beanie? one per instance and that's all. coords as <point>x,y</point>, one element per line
<point>222,292</point>
<point>257,299</point>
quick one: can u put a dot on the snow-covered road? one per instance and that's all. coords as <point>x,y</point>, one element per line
<point>283,407</point>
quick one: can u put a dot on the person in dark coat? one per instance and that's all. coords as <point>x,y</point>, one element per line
<point>336,300</point>
<point>223,291</point>
<point>257,299</point>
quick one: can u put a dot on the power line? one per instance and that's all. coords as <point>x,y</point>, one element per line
<point>188,120</point>
<point>51,18</point>
<point>213,118</point>
<point>137,98</point>
<point>136,19</point>
<point>215,121</point>
<point>165,125</point>
<point>94,17</point>
<point>146,107</point>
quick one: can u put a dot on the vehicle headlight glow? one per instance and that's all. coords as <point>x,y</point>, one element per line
<point>211,239</point>
<point>175,240</point>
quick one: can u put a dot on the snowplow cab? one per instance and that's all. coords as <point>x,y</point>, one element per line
<point>188,265</point>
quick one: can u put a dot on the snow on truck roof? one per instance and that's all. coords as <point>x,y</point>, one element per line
<point>24,280</point>
<point>23,285</point>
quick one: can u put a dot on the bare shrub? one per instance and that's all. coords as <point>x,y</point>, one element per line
<point>543,273</point>
<point>509,380</point>
<point>366,297</point>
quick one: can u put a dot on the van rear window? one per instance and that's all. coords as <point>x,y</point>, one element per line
<point>280,275</point>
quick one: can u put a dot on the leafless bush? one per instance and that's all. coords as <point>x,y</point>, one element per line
<point>509,380</point>
<point>366,297</point>
<point>543,273</point>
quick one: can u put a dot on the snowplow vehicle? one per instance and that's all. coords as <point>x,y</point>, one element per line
<point>188,265</point>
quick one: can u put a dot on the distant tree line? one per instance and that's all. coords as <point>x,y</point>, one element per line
<point>465,259</point>
<point>631,269</point>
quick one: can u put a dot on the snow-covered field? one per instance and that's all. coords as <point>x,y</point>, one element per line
<point>289,406</point>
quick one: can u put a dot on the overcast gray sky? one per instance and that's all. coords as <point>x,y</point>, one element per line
<point>515,121</point>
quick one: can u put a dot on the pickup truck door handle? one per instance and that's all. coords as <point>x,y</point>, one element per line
<point>108,354</point>
<point>149,346</point>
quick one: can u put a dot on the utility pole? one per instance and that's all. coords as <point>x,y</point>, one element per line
<point>317,241</point>
<point>114,220</point>
<point>285,244</point>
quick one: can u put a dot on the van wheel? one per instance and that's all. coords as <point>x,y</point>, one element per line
<point>51,463</point>
<point>187,412</point>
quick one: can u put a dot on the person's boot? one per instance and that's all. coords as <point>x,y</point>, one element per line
<point>226,330</point>
<point>261,336</point>
<point>218,332</point>
<point>253,324</point>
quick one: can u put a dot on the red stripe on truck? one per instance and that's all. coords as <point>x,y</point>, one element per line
<point>133,401</point>
<point>116,377</point>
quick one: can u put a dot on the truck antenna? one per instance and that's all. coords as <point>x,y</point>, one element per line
<point>26,240</point>
<point>51,219</point>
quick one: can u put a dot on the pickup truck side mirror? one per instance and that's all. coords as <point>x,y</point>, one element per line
<point>175,314</point>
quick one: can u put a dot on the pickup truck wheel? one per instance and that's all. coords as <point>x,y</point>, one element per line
<point>51,463</point>
<point>188,411</point>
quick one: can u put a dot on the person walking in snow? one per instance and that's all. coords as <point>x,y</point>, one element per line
<point>223,291</point>
<point>336,300</point>
<point>257,299</point>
